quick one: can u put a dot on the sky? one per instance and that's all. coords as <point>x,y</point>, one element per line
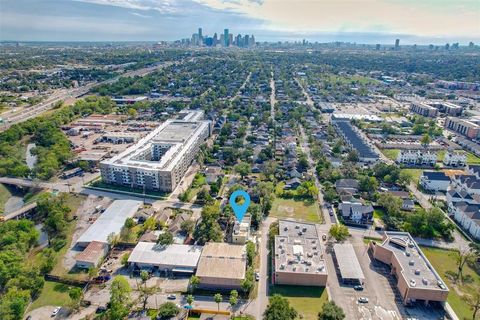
<point>361,21</point>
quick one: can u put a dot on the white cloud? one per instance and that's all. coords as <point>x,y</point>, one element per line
<point>412,17</point>
<point>140,15</point>
<point>163,6</point>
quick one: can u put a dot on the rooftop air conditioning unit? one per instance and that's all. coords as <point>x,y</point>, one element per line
<point>424,281</point>
<point>413,283</point>
<point>297,226</point>
<point>417,272</point>
<point>411,262</point>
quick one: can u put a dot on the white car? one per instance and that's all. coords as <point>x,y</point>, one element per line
<point>56,311</point>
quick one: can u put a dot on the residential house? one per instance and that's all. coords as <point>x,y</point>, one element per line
<point>434,181</point>
<point>346,185</point>
<point>468,216</point>
<point>455,159</point>
<point>356,212</point>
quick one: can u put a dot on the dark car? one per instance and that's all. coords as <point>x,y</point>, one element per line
<point>358,288</point>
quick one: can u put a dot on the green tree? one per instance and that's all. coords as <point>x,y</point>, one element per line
<point>187,226</point>
<point>208,228</point>
<point>124,259</point>
<point>391,203</point>
<point>132,113</point>
<point>75,295</point>
<point>194,283</point>
<point>190,300</point>
<point>251,252</point>
<point>119,298</point>
<point>243,169</point>
<point>279,309</point>
<point>473,301</point>
<point>14,303</point>
<point>339,232</point>
<point>330,311</point>
<point>404,178</point>
<point>426,140</point>
<point>233,300</point>
<point>168,310</point>
<point>165,238</point>
<point>218,299</point>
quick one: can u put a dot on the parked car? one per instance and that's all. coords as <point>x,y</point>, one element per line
<point>257,276</point>
<point>363,300</point>
<point>56,311</point>
<point>171,297</point>
<point>358,288</point>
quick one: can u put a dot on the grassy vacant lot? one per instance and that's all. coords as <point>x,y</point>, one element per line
<point>52,294</point>
<point>308,301</point>
<point>444,262</point>
<point>378,213</point>
<point>472,159</point>
<point>416,173</point>
<point>391,153</point>
<point>4,195</point>
<point>300,210</point>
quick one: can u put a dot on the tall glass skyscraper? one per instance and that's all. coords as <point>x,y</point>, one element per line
<point>225,38</point>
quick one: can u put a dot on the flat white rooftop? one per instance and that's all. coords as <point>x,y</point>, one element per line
<point>111,221</point>
<point>176,135</point>
<point>178,255</point>
<point>348,262</point>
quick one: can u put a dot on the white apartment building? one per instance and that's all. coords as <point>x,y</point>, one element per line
<point>159,160</point>
<point>417,157</point>
<point>241,230</point>
<point>455,159</point>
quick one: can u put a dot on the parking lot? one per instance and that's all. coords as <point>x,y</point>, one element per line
<point>384,300</point>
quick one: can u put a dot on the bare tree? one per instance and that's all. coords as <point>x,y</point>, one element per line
<point>462,257</point>
<point>474,302</point>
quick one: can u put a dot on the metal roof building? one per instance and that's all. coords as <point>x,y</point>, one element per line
<point>111,221</point>
<point>348,264</point>
<point>178,258</point>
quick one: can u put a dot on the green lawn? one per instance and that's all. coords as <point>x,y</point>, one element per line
<point>308,301</point>
<point>300,210</point>
<point>391,153</point>
<point>416,173</point>
<point>378,213</point>
<point>444,261</point>
<point>4,195</point>
<point>52,294</point>
<point>472,159</point>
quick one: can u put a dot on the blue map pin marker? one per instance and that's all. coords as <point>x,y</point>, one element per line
<point>240,209</point>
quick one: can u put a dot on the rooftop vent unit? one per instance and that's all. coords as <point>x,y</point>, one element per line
<point>304,229</point>
<point>407,253</point>
<point>424,281</point>
<point>417,271</point>
<point>294,269</point>
<point>321,268</point>
<point>285,229</point>
<point>413,283</point>
<point>282,240</point>
<point>300,233</point>
<point>441,285</point>
<point>282,267</point>
<point>411,262</point>
<point>297,226</point>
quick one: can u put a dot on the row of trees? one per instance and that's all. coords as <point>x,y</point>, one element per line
<point>279,309</point>
<point>52,147</point>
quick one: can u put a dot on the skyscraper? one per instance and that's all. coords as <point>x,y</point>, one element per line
<point>215,39</point>
<point>377,46</point>
<point>200,35</point>
<point>397,44</point>
<point>230,39</point>
<point>225,38</point>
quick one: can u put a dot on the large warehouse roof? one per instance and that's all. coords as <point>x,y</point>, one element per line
<point>111,221</point>
<point>222,260</point>
<point>178,255</point>
<point>348,262</point>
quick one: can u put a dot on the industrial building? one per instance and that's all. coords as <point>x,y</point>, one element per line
<point>171,259</point>
<point>110,222</point>
<point>159,160</point>
<point>355,141</point>
<point>299,256</point>
<point>416,278</point>
<point>222,266</point>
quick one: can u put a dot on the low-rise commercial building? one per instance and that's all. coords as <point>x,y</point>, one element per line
<point>92,255</point>
<point>222,266</point>
<point>299,255</point>
<point>416,278</point>
<point>160,160</point>
<point>110,222</point>
<point>171,259</point>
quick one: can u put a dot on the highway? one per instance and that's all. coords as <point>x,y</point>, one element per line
<point>70,95</point>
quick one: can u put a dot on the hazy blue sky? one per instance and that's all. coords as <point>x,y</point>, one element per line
<point>365,21</point>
